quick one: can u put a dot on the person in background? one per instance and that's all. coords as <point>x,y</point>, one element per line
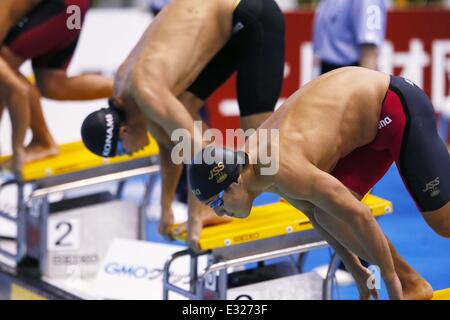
<point>44,36</point>
<point>13,92</point>
<point>348,33</point>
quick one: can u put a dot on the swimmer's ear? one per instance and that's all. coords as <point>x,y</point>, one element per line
<point>238,181</point>
<point>123,130</point>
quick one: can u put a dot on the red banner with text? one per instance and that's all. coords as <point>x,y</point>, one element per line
<point>417,47</point>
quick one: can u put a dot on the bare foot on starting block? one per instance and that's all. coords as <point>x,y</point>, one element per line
<point>37,151</point>
<point>417,289</point>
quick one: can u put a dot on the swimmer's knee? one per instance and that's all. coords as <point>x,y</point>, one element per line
<point>443,232</point>
<point>442,229</point>
<point>439,221</point>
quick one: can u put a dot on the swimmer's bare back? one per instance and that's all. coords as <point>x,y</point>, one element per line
<point>178,44</point>
<point>330,117</point>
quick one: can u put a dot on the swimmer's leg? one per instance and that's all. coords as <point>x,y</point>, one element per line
<point>424,161</point>
<point>439,220</point>
<point>42,145</point>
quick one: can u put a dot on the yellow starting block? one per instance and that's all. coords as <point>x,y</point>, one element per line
<point>442,294</point>
<point>269,221</point>
<point>74,157</point>
<point>75,167</point>
<point>271,231</point>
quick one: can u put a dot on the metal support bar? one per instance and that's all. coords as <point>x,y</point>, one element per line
<point>8,254</point>
<point>7,238</point>
<point>142,215</point>
<point>264,256</point>
<point>43,229</point>
<point>120,188</point>
<point>223,265</point>
<point>166,277</point>
<point>327,291</point>
<point>43,192</point>
<point>193,274</point>
<point>7,216</point>
<point>21,222</point>
<point>8,183</point>
<point>301,261</point>
<point>222,284</point>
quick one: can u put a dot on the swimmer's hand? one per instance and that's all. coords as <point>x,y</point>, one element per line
<point>363,279</point>
<point>165,227</point>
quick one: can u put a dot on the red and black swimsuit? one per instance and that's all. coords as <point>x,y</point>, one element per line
<point>407,135</point>
<point>46,36</point>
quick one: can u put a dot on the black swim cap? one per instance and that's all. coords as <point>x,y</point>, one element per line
<point>100,131</point>
<point>213,170</point>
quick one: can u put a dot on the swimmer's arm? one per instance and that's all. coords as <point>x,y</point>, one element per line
<point>350,260</point>
<point>18,101</point>
<point>330,195</point>
<point>161,106</point>
<point>368,57</point>
<point>55,84</point>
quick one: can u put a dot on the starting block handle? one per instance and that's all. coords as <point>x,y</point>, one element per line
<point>44,192</point>
<point>262,257</point>
<point>9,182</point>
<point>167,286</point>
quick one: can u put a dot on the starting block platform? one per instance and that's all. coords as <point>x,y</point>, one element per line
<point>442,294</point>
<point>271,231</point>
<point>36,212</point>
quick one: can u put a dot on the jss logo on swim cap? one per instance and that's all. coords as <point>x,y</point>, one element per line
<point>109,135</point>
<point>217,173</point>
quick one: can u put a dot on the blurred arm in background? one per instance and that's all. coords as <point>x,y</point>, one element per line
<point>348,33</point>
<point>369,25</point>
<point>56,84</point>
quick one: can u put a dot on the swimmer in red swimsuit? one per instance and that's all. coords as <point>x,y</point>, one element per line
<point>338,135</point>
<point>43,36</point>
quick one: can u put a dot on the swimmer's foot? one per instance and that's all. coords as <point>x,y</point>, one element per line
<point>416,288</point>
<point>37,151</point>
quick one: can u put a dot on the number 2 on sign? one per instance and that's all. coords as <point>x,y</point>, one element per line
<point>63,235</point>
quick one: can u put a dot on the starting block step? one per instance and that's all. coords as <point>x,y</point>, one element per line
<point>442,294</point>
<point>269,221</point>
